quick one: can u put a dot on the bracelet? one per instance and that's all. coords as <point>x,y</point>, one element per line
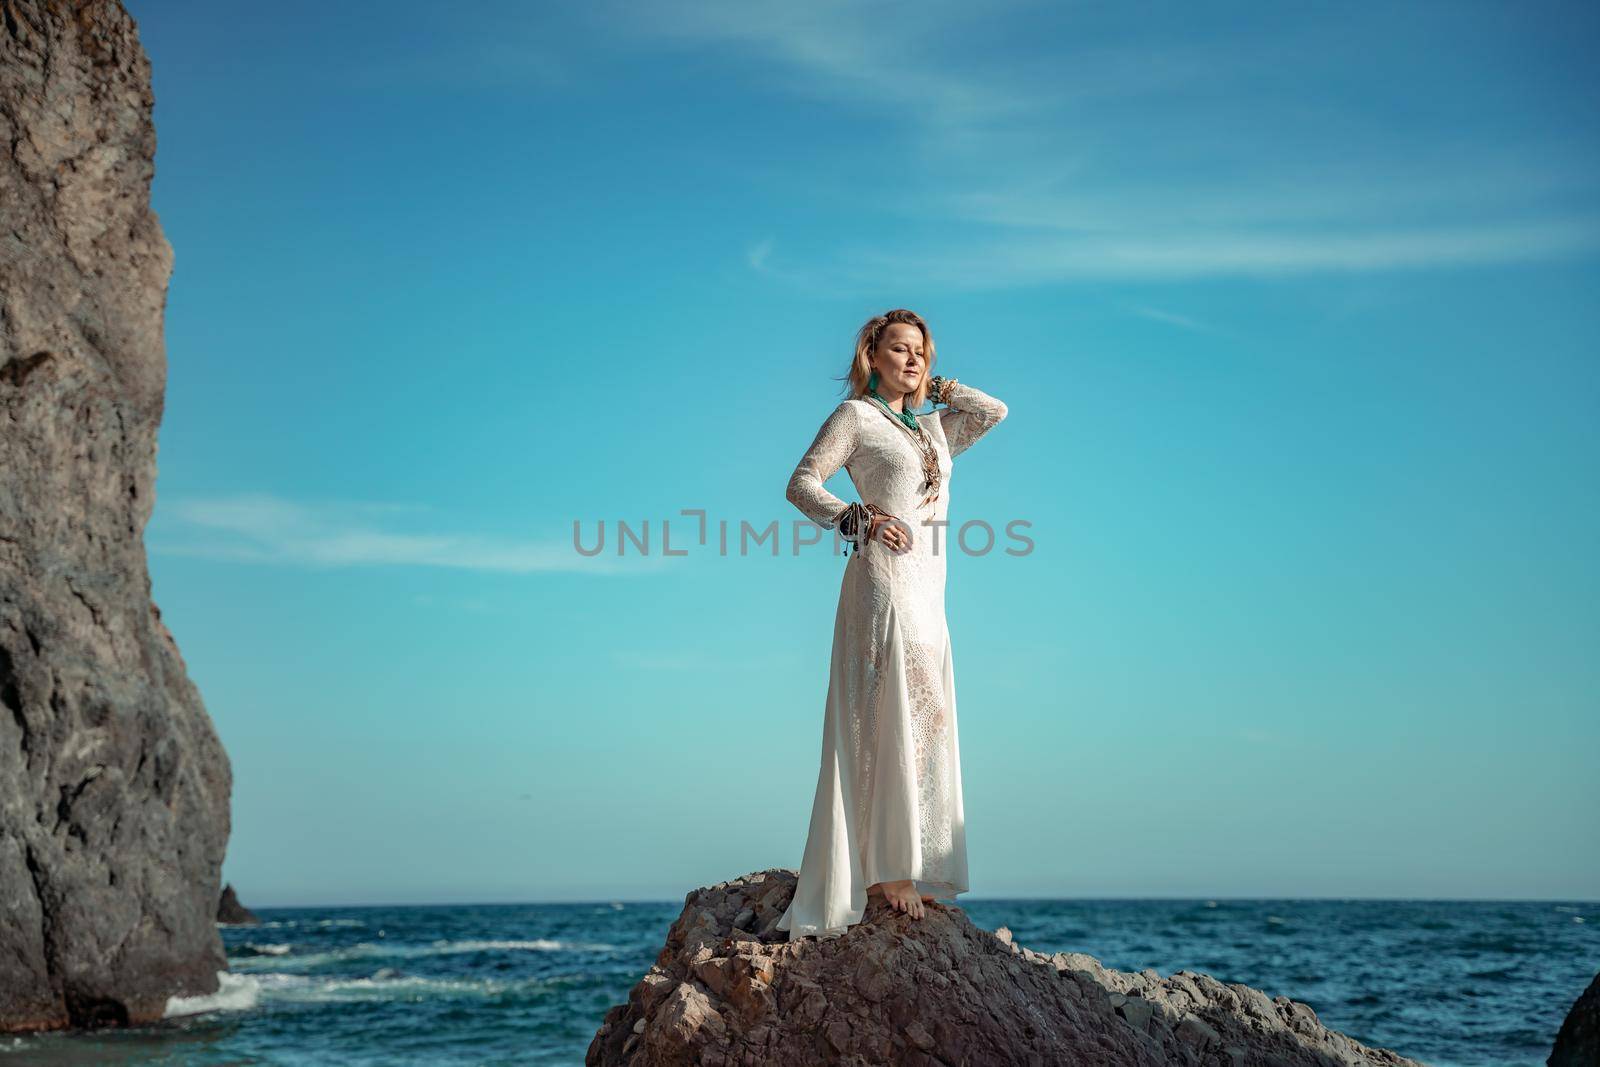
<point>855,523</point>
<point>939,389</point>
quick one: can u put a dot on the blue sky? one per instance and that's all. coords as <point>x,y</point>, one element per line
<point>1293,307</point>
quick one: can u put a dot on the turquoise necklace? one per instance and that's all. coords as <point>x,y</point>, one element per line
<point>903,415</point>
<point>931,474</point>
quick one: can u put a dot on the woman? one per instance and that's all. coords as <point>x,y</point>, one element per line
<point>886,820</point>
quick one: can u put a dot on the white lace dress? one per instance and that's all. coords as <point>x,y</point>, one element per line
<point>888,800</point>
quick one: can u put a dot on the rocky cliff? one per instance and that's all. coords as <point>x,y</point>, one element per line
<point>728,990</point>
<point>113,786</point>
<point>1578,1043</point>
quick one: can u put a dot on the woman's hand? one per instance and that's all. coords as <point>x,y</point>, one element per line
<point>894,534</point>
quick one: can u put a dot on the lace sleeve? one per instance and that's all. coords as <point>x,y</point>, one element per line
<point>831,449</point>
<point>971,414</point>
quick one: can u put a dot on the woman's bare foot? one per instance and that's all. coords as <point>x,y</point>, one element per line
<point>902,895</point>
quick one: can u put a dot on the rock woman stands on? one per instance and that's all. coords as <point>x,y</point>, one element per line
<point>887,818</point>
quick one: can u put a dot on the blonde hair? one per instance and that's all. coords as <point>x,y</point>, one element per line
<point>867,339</point>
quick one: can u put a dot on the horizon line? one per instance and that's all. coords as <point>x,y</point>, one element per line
<point>608,901</point>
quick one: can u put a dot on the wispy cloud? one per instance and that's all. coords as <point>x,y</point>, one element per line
<point>1432,190</point>
<point>1020,178</point>
<point>849,52</point>
<point>756,255</point>
<point>1034,258</point>
<point>1172,318</point>
<point>268,529</point>
<point>760,259</point>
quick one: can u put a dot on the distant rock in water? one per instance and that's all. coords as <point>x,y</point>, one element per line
<point>113,785</point>
<point>230,911</point>
<point>728,990</point>
<point>1578,1043</point>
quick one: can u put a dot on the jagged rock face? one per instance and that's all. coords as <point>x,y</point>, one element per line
<point>113,786</point>
<point>729,990</point>
<point>1578,1043</point>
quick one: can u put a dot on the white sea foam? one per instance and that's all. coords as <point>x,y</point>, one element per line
<point>235,992</point>
<point>387,984</point>
<point>267,950</point>
<point>391,949</point>
<point>538,944</point>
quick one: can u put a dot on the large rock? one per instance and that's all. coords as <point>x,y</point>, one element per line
<point>113,786</point>
<point>232,913</point>
<point>1578,1043</point>
<point>728,990</point>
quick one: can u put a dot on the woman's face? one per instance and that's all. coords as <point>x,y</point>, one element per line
<point>899,359</point>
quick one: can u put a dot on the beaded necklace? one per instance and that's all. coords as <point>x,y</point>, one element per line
<point>930,455</point>
<point>903,415</point>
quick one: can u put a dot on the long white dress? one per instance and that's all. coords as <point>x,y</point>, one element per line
<point>888,800</point>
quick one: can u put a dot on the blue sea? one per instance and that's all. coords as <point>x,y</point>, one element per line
<point>1446,983</point>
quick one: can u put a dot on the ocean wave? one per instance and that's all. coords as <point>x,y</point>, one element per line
<point>250,948</point>
<point>538,944</point>
<point>363,950</point>
<point>242,992</point>
<point>235,992</point>
<point>387,984</point>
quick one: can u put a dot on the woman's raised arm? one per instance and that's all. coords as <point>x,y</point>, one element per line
<point>831,449</point>
<point>971,414</point>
